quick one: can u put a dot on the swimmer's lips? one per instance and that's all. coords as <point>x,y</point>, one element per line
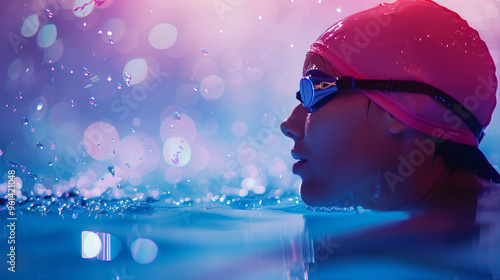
<point>298,165</point>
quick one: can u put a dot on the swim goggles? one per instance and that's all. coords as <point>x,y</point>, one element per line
<point>317,88</point>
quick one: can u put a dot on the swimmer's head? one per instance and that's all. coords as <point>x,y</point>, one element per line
<point>362,136</point>
<point>416,41</point>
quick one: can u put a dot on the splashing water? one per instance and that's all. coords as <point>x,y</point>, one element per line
<point>177,116</point>
<point>111,170</point>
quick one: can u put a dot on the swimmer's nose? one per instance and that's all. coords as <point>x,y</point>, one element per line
<point>293,126</point>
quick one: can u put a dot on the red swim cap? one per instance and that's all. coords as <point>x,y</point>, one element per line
<point>416,40</point>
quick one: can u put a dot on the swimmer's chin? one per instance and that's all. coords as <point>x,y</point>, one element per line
<point>316,198</point>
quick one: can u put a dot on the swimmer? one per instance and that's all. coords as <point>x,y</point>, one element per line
<point>394,103</point>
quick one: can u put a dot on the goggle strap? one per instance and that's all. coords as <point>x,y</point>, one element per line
<point>418,87</point>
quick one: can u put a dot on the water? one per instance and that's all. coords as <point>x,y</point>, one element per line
<point>215,241</point>
<point>178,150</point>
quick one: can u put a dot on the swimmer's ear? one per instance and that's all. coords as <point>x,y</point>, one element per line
<point>394,125</point>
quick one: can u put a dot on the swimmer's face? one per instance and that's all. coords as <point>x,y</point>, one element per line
<point>336,146</point>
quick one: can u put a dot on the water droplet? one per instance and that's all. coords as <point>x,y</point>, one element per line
<point>177,116</point>
<point>109,33</point>
<point>109,78</point>
<point>25,121</point>
<point>118,85</point>
<point>128,77</point>
<point>111,170</point>
<point>140,159</point>
<point>204,51</point>
<point>84,24</point>
<point>92,101</point>
<point>74,216</point>
<point>50,163</point>
<point>128,165</point>
<point>195,88</point>
<point>111,41</point>
<point>119,186</point>
<point>339,9</point>
<point>98,145</point>
<point>99,31</point>
<point>172,127</point>
<point>85,71</point>
<point>40,146</point>
<point>72,103</point>
<point>39,106</point>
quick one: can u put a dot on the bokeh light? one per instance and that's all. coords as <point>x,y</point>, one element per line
<point>138,155</point>
<point>162,36</point>
<point>176,151</point>
<point>83,8</point>
<point>110,247</point>
<point>101,140</point>
<point>143,250</point>
<point>53,53</point>
<point>97,92</point>
<point>135,71</point>
<point>177,125</point>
